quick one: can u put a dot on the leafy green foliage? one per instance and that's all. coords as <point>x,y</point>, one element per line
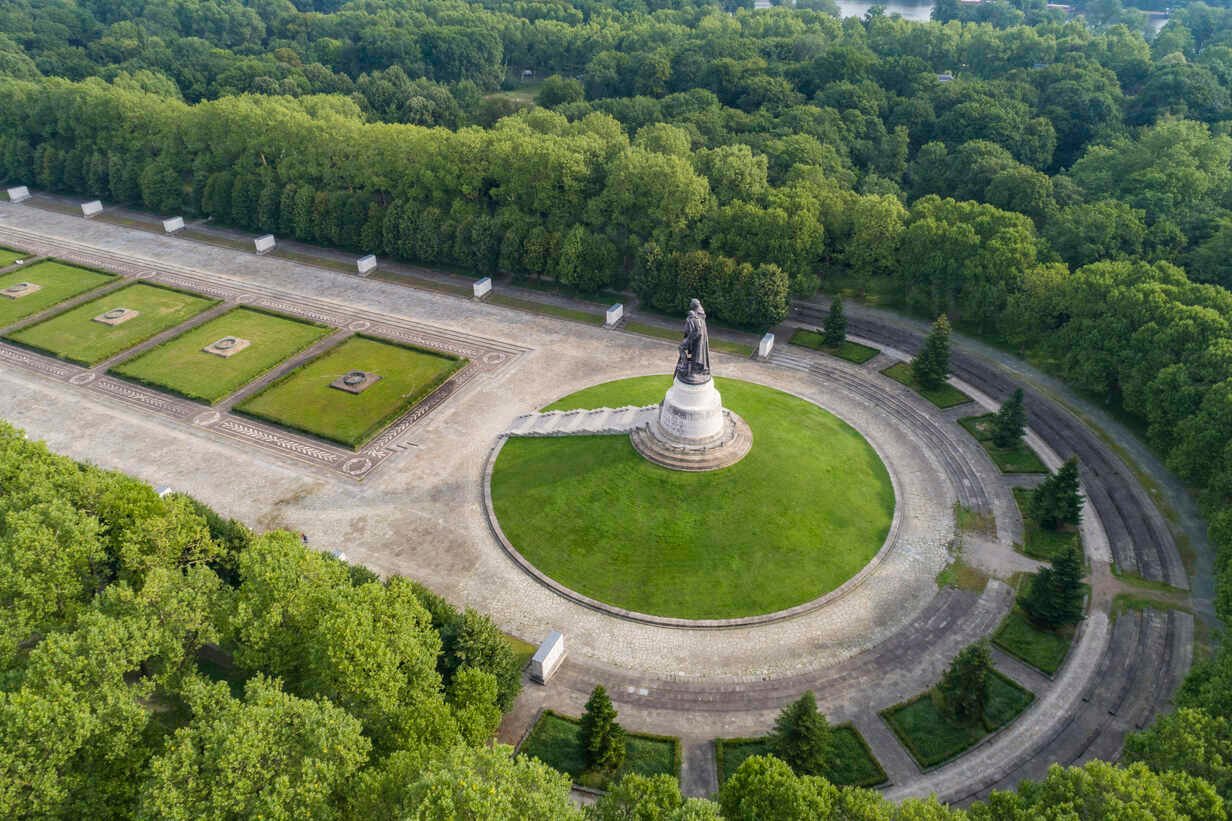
<point>963,688</point>
<point>1055,596</point>
<point>802,737</point>
<point>602,738</point>
<point>834,331</point>
<point>1056,501</point>
<point>1010,422</point>
<point>931,366</point>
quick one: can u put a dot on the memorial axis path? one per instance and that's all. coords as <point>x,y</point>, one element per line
<point>422,515</point>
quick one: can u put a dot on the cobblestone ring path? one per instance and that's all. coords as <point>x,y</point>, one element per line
<point>423,516</point>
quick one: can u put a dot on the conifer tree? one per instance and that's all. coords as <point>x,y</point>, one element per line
<point>932,365</point>
<point>801,737</point>
<point>1056,502</point>
<point>964,686</point>
<point>1010,422</point>
<point>834,331</point>
<point>1055,596</point>
<point>603,740</point>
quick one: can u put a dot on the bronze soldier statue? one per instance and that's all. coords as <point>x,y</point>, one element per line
<point>693,366</point>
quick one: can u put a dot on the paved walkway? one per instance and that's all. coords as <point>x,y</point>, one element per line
<point>423,516</point>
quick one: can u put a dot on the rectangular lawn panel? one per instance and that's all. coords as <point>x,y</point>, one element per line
<point>58,282</point>
<point>1018,459</point>
<point>851,351</point>
<point>303,399</point>
<point>851,765</point>
<point>1042,649</point>
<point>182,367</point>
<point>1039,542</point>
<point>947,396</point>
<point>73,335</point>
<point>556,741</point>
<point>8,256</point>
<point>933,738</point>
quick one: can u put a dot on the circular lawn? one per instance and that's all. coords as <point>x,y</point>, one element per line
<point>802,513</point>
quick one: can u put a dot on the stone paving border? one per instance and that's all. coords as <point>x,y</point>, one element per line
<point>483,355</point>
<point>887,547</point>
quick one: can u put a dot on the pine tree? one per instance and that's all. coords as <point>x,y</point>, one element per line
<point>834,331</point>
<point>964,686</point>
<point>801,737</point>
<point>1055,596</point>
<point>932,365</point>
<point>603,740</point>
<point>1056,502</point>
<point>1010,422</point>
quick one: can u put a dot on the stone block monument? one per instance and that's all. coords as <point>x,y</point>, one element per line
<point>615,313</point>
<point>19,193</point>
<point>91,209</point>
<point>548,658</point>
<point>264,243</point>
<point>692,430</point>
<point>765,346</point>
<point>173,225</point>
<point>365,265</point>
<point>482,287</point>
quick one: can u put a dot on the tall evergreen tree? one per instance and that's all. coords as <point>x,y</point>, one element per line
<point>932,365</point>
<point>1056,502</point>
<point>834,331</point>
<point>964,686</point>
<point>801,736</point>
<point>603,740</point>
<point>1010,422</point>
<point>1055,596</point>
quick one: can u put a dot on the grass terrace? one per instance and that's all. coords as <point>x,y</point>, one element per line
<point>58,282</point>
<point>1045,650</point>
<point>303,399</point>
<point>182,367</point>
<point>75,336</point>
<point>851,765</point>
<point>556,741</point>
<point>851,351</point>
<point>1039,542</point>
<point>947,396</point>
<point>1018,459</point>
<point>8,256</point>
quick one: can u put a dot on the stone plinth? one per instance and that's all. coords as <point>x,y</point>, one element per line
<point>365,265</point>
<point>548,658</point>
<point>264,244</point>
<point>355,381</point>
<point>173,225</point>
<point>117,316</point>
<point>693,431</point>
<point>482,287</point>
<point>19,193</point>
<point>614,314</point>
<point>765,346</point>
<point>227,347</point>
<point>91,208</point>
<point>20,289</point>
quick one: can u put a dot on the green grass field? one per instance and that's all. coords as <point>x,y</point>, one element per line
<point>947,396</point>
<point>808,507</point>
<point>852,763</point>
<point>304,400</point>
<point>181,366</point>
<point>73,335</point>
<point>1041,543</point>
<point>1018,459</point>
<point>851,351</point>
<point>59,282</point>
<point>8,256</point>
<point>1044,650</point>
<point>556,741</point>
<point>933,738</point>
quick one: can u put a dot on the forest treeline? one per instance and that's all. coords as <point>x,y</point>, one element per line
<point>160,662</point>
<point>1062,186</point>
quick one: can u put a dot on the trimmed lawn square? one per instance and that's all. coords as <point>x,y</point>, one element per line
<point>556,740</point>
<point>304,400</point>
<point>1018,459</point>
<point>1039,542</point>
<point>1042,649</point>
<point>851,765</point>
<point>933,738</point>
<point>75,336</point>
<point>182,367</point>
<point>8,256</point>
<point>851,351</point>
<point>946,396</point>
<point>58,282</point>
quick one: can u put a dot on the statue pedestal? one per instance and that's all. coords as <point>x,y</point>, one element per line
<point>693,431</point>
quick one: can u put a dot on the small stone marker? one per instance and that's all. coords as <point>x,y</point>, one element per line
<point>547,659</point>
<point>355,381</point>
<point>20,289</point>
<point>765,346</point>
<point>174,224</point>
<point>365,265</point>
<point>227,347</point>
<point>615,314</point>
<point>483,287</point>
<point>19,193</point>
<point>116,316</point>
<point>264,243</point>
<point>91,208</point>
